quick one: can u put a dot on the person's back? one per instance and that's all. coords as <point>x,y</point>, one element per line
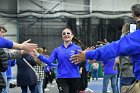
<point>108,66</point>
<point>25,75</point>
<point>126,67</point>
<point>126,71</point>
<point>95,67</point>
<point>109,74</point>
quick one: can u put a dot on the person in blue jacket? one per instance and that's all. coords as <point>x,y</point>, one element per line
<point>5,55</point>
<point>128,45</point>
<point>68,73</point>
<point>5,43</point>
<point>109,74</point>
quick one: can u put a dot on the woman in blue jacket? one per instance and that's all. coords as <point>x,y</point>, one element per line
<point>68,73</point>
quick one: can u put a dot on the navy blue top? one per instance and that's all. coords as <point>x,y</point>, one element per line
<point>129,45</point>
<point>25,74</point>
<point>66,69</point>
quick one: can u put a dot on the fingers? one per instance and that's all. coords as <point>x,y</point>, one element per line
<point>92,47</point>
<point>29,47</point>
<point>73,57</point>
<point>34,50</point>
<point>76,62</point>
<point>31,44</point>
<point>79,51</point>
<point>89,48</point>
<point>27,41</point>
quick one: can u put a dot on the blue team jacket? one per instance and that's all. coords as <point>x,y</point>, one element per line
<point>108,67</point>
<point>66,69</point>
<point>4,43</point>
<point>128,45</point>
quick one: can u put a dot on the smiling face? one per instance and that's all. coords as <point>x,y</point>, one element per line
<point>67,35</point>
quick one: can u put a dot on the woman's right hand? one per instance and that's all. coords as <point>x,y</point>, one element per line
<point>35,52</point>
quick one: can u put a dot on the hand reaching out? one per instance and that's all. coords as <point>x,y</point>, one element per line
<point>78,58</point>
<point>90,48</point>
<point>35,52</point>
<point>28,46</point>
<point>81,57</point>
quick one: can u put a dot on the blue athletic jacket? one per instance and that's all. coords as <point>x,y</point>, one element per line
<point>108,67</point>
<point>66,69</point>
<point>128,45</point>
<point>5,43</point>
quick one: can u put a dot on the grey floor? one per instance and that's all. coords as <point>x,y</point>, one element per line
<point>95,85</point>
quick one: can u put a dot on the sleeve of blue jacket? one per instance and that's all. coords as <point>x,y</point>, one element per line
<point>53,65</point>
<point>48,60</point>
<point>5,43</point>
<point>128,45</point>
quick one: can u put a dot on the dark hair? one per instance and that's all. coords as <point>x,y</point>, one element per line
<point>69,29</point>
<point>2,27</point>
<point>78,42</point>
<point>136,10</point>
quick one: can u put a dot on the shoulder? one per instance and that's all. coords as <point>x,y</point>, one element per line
<point>58,48</point>
<point>134,34</point>
<point>78,47</point>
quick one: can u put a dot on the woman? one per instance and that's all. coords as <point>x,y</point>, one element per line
<point>39,69</point>
<point>68,73</point>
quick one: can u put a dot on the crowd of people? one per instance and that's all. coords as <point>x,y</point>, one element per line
<point>35,68</point>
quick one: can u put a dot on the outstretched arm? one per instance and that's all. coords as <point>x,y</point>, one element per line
<point>44,58</point>
<point>128,45</point>
<point>25,45</point>
<point>5,43</point>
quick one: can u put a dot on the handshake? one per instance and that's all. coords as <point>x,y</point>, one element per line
<point>3,60</point>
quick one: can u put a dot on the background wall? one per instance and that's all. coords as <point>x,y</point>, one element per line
<point>11,26</point>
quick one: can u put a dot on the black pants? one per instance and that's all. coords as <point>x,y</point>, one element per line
<point>68,85</point>
<point>83,81</point>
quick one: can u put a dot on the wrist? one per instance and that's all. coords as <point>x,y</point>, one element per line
<point>37,54</point>
<point>21,46</point>
<point>17,46</point>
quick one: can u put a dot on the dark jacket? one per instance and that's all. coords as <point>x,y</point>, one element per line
<point>3,67</point>
<point>5,54</point>
<point>25,75</point>
<point>3,60</point>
